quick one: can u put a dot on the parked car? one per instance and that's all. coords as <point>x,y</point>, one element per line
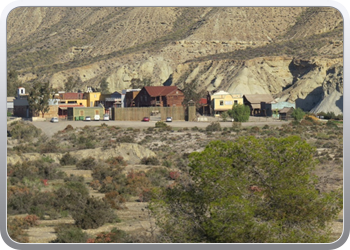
<point>54,119</point>
<point>145,119</point>
<point>97,117</point>
<point>106,117</point>
<point>88,118</point>
<point>169,119</point>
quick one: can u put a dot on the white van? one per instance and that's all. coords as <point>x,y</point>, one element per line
<point>97,117</point>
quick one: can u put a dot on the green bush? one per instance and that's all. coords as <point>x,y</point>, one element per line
<point>271,182</point>
<point>152,160</point>
<point>87,163</point>
<point>214,126</point>
<point>240,113</point>
<point>298,114</point>
<point>68,159</point>
<point>23,130</point>
<point>93,214</point>
<point>69,234</point>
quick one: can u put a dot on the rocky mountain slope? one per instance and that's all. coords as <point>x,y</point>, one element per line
<point>286,51</point>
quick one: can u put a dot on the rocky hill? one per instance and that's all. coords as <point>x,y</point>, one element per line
<point>286,51</point>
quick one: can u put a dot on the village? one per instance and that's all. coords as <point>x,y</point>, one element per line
<point>155,103</point>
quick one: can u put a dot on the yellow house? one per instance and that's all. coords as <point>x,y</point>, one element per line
<point>92,98</point>
<point>222,101</point>
<point>82,102</point>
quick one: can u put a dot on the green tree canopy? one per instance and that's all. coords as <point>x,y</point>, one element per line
<point>298,114</point>
<point>191,92</point>
<point>38,98</point>
<point>239,112</point>
<point>248,191</point>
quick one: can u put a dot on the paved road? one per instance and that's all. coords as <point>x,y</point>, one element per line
<point>51,128</point>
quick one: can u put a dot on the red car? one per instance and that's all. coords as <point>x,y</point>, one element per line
<point>145,119</point>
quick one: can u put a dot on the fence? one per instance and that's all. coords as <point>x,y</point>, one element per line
<point>137,114</point>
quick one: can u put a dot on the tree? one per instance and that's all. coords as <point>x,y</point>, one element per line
<point>38,98</point>
<point>248,191</point>
<point>239,112</point>
<point>12,83</point>
<point>191,92</point>
<point>104,86</point>
<point>298,114</point>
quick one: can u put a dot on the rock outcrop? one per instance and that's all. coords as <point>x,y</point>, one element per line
<point>285,51</point>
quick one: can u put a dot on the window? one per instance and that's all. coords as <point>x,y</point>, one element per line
<point>81,113</point>
<point>221,103</point>
<point>95,96</point>
<point>97,112</point>
<point>235,102</point>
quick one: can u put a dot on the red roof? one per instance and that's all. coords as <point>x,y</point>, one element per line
<point>71,95</point>
<point>160,90</point>
<point>203,101</point>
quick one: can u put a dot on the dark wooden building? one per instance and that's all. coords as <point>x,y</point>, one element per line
<point>159,96</point>
<point>260,104</point>
<point>286,113</point>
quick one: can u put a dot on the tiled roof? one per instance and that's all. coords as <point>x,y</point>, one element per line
<point>69,105</point>
<point>160,90</point>
<point>72,95</point>
<point>285,110</point>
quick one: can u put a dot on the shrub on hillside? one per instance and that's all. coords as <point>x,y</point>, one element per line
<point>116,200</point>
<point>214,126</point>
<point>114,236</point>
<point>87,163</point>
<point>68,159</point>
<point>93,214</point>
<point>69,234</point>
<point>152,160</point>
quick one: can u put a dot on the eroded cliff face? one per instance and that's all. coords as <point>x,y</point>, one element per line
<point>288,52</point>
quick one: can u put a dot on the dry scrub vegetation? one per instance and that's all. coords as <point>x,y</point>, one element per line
<point>91,200</point>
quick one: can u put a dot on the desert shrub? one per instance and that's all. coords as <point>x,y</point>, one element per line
<point>266,126</point>
<point>116,200</point>
<point>306,122</point>
<point>23,130</point>
<point>152,160</point>
<point>74,178</point>
<point>19,200</point>
<point>68,159</point>
<point>17,225</point>
<point>37,169</point>
<point>114,236</point>
<point>195,128</point>
<point>71,195</point>
<point>157,176</point>
<point>69,234</point>
<point>69,128</point>
<point>214,126</point>
<point>136,182</point>
<point>93,214</point>
<point>116,161</point>
<point>255,129</point>
<point>50,146</point>
<point>160,124</point>
<point>298,114</point>
<point>86,164</point>
<point>145,195</point>
<point>174,175</point>
<point>332,124</point>
<point>95,184</point>
<point>126,139</point>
